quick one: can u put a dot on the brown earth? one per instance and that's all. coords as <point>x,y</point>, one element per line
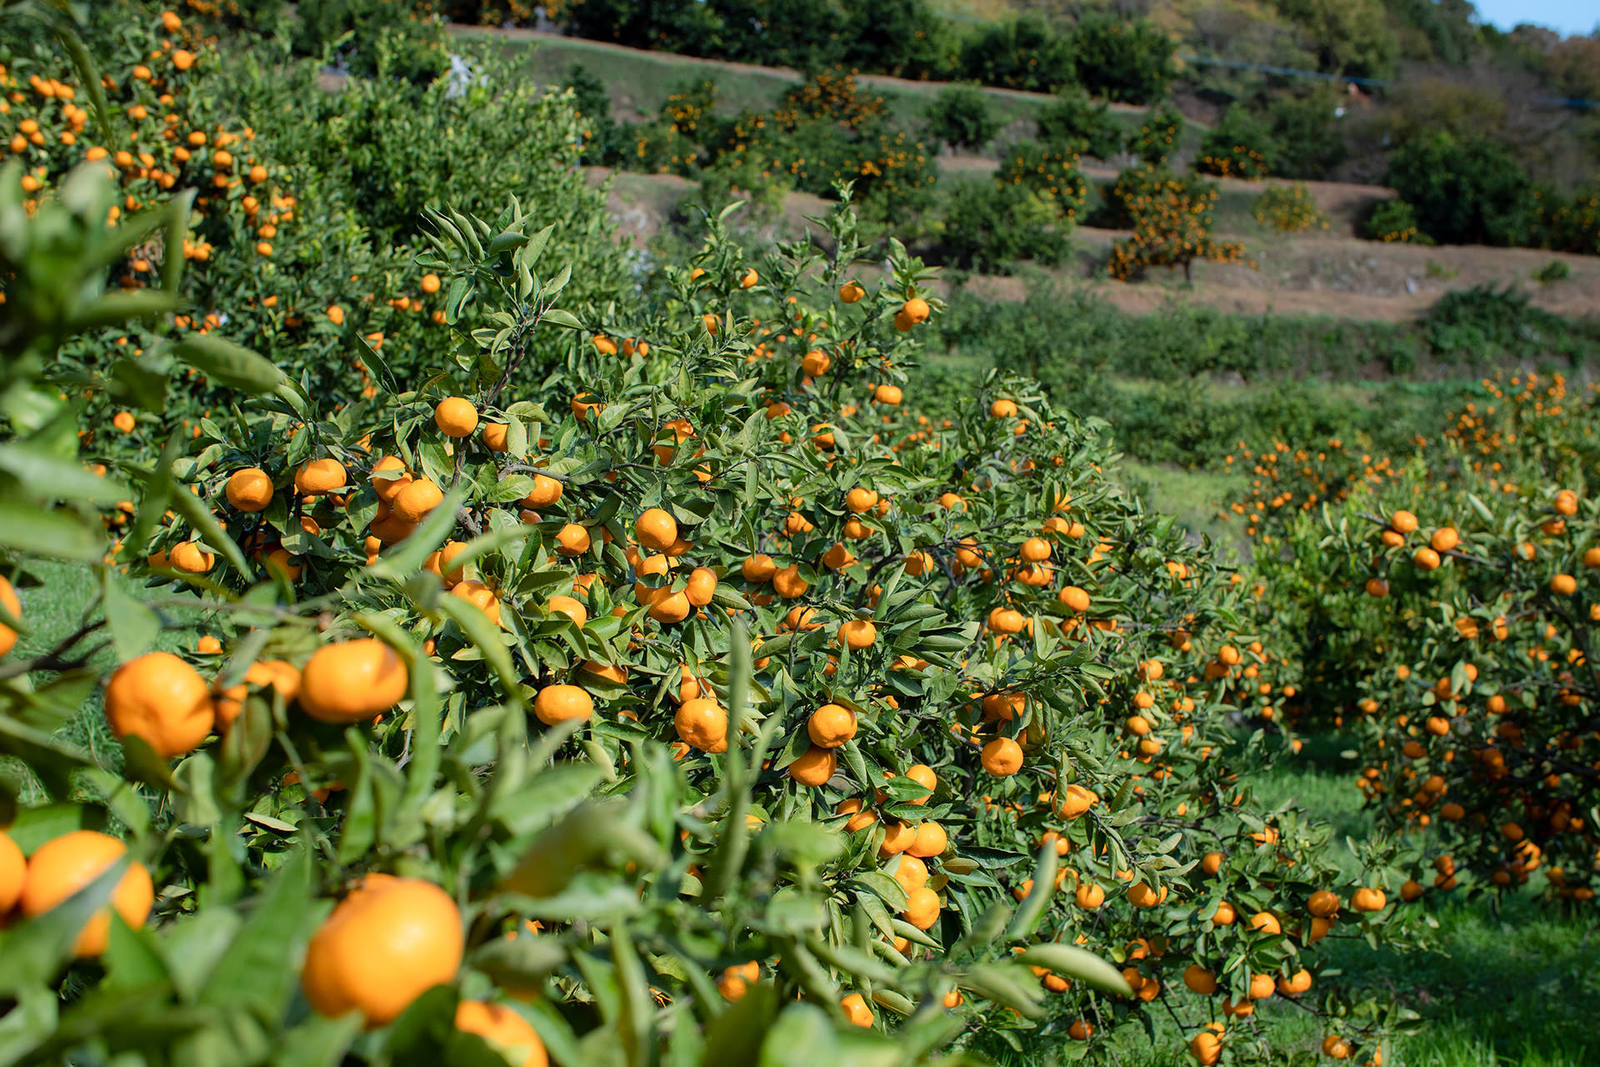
<point>1314,274</point>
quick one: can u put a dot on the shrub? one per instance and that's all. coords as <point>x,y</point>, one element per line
<point>1489,323</point>
<point>1172,219</point>
<point>387,38</point>
<point>991,227</point>
<point>1441,609</point>
<point>960,116</point>
<point>667,799</point>
<point>1073,121</point>
<point>1021,54</point>
<point>602,137</point>
<point>1394,220</point>
<point>1238,146</point>
<point>1157,137</point>
<point>1288,209</point>
<point>1312,126</point>
<point>1122,59</point>
<point>1464,191</point>
<point>1049,173</point>
<point>1569,223</point>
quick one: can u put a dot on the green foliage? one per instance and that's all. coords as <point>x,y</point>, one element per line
<point>1310,125</point>
<point>1347,36</point>
<point>603,139</point>
<point>991,227</point>
<point>960,116</point>
<point>1123,59</point>
<point>1048,172</point>
<point>1157,137</point>
<point>1240,145</point>
<point>1464,191</point>
<point>1554,271</point>
<point>1074,121</point>
<point>1497,323</point>
<point>383,38</point>
<point>1394,220</point>
<point>1023,53</point>
<point>1288,209</point>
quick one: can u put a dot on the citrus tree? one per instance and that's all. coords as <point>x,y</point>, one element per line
<point>1449,623</point>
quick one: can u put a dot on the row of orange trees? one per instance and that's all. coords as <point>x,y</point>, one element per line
<point>605,680</point>
<point>1443,609</point>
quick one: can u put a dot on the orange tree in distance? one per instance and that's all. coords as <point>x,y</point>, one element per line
<point>1454,609</point>
<point>1171,218</point>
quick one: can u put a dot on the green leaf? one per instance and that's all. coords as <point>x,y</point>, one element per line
<point>258,971</point>
<point>229,364</point>
<point>1032,907</point>
<point>134,625</point>
<point>50,477</point>
<point>1079,965</point>
<point>50,533</point>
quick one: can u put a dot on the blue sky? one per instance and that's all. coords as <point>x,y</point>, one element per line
<point>1565,16</point>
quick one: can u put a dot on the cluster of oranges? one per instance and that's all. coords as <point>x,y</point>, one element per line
<point>1171,219</point>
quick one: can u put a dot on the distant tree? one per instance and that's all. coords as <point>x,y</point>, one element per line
<point>1022,54</point>
<point>960,116</point>
<point>1123,59</point>
<point>1464,190</point>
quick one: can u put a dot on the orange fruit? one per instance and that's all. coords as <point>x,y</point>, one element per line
<point>190,558</point>
<point>897,838</point>
<point>62,866</point>
<point>455,416</point>
<point>387,943</point>
<point>1002,757</point>
<point>1368,900</point>
<point>1206,1048</point>
<point>831,726</point>
<point>656,529</point>
<point>228,704</point>
<point>1403,522</point>
<point>1200,980</point>
<point>916,310</point>
<point>13,607</point>
<point>494,436</point>
<point>503,1029</point>
<point>558,703</point>
<point>850,292</point>
<point>566,605</point>
<point>1444,539</point>
<point>249,490</point>
<point>416,499</point>
<point>124,421</point>
<point>702,724</point>
<point>814,766</point>
<point>13,873</point>
<point>389,476</point>
<point>161,700</point>
<point>922,907</point>
<point>353,681</point>
<point>702,585</point>
<point>321,476</point>
<point>545,492</point>
<point>1323,903</point>
<point>931,840</point>
<point>1141,895</point>
<point>1266,922</point>
<point>856,1010</point>
<point>572,540</point>
<point>1074,599</point>
<point>858,633</point>
<point>887,395</point>
<point>479,596</point>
